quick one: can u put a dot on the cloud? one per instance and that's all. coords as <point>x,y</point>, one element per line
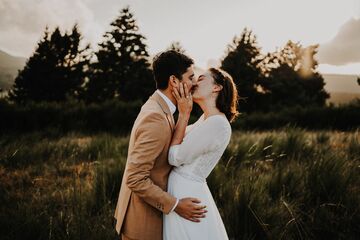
<point>23,22</point>
<point>344,48</point>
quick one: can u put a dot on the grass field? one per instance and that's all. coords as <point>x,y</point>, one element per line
<point>285,184</point>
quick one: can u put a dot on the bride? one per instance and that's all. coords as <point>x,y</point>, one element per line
<point>196,149</point>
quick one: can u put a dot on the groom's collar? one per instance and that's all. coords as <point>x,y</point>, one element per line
<point>165,107</point>
<point>162,103</point>
<point>169,103</point>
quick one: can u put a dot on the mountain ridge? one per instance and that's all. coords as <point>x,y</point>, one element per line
<point>9,67</point>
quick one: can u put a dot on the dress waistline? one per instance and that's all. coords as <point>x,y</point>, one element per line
<point>189,176</point>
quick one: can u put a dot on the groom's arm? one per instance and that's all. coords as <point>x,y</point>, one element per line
<point>149,143</point>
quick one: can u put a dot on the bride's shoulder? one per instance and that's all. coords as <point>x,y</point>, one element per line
<point>200,119</point>
<point>219,122</point>
<point>218,119</point>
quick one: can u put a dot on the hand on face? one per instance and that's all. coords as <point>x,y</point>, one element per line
<point>183,98</point>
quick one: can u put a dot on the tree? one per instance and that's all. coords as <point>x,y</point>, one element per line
<point>242,63</point>
<point>292,77</point>
<point>55,71</point>
<point>122,70</point>
<point>176,46</point>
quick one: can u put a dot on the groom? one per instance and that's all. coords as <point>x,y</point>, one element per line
<point>143,197</point>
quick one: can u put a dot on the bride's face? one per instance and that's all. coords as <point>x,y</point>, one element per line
<point>205,87</point>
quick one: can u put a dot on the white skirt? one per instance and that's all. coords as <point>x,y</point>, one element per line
<point>178,228</point>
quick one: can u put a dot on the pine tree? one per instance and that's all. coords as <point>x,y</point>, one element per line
<point>176,46</point>
<point>122,70</point>
<point>292,77</point>
<point>55,71</point>
<point>242,63</point>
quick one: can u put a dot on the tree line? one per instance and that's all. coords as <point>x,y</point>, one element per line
<point>63,68</point>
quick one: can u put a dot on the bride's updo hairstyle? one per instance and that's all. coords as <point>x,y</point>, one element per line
<point>227,100</point>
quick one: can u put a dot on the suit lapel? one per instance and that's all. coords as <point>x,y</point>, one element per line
<point>157,98</point>
<point>171,120</point>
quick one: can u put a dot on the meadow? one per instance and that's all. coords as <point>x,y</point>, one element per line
<point>288,183</point>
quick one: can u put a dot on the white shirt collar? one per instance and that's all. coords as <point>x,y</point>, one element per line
<point>170,104</point>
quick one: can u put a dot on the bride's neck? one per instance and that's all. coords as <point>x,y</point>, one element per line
<point>208,107</point>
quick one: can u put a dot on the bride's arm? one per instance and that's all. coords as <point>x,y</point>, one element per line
<point>185,103</point>
<point>180,129</point>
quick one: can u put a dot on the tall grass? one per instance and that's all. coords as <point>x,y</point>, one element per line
<point>63,188</point>
<point>286,184</point>
<point>290,185</point>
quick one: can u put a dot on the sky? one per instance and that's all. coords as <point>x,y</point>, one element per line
<point>204,28</point>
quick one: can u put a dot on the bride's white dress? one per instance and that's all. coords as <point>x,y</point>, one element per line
<point>204,143</point>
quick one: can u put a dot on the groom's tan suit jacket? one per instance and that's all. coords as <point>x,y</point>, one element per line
<point>143,197</point>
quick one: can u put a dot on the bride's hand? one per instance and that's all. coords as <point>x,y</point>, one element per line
<point>184,99</point>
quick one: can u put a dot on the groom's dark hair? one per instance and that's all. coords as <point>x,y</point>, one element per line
<point>169,63</point>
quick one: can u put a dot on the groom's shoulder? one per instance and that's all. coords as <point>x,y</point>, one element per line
<point>151,111</point>
<point>151,107</point>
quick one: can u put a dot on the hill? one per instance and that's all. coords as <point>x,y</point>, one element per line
<point>9,66</point>
<point>342,88</point>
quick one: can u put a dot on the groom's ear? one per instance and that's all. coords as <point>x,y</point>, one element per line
<point>174,82</point>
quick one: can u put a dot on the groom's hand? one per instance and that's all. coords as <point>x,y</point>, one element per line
<point>190,209</point>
